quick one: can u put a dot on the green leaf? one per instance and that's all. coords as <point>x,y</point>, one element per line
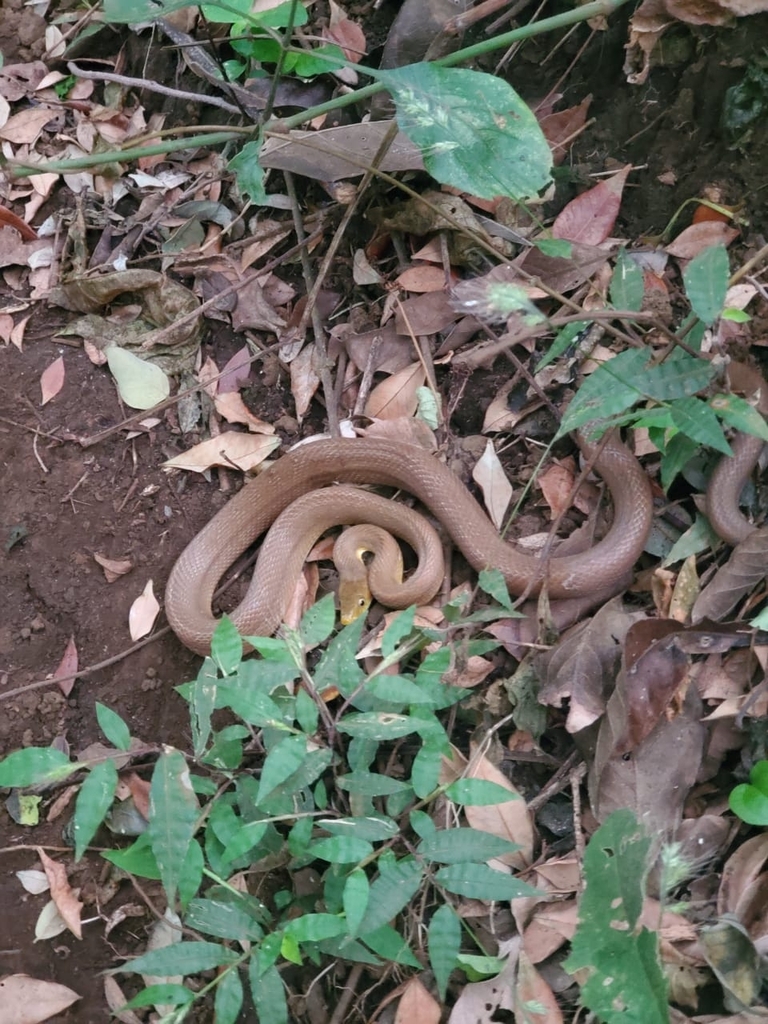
<point>425,770</point>
<point>456,845</point>
<point>281,762</point>
<point>355,898</point>
<point>243,841</point>
<point>113,727</point>
<point>706,283</point>
<point>248,703</point>
<point>320,61</point>
<point>226,646</point>
<point>173,816</point>
<point>493,583</point>
<point>677,454</point>
<point>131,12</point>
<point>398,629</point>
<point>625,982</point>
<point>307,714</point>
<point>390,945</point>
<point>564,339</point>
<point>738,413</point>
<point>474,131</point>
<point>224,920</point>
<point>229,998</point>
<point>627,283</point>
<point>341,849</point>
<point>34,766</point>
<point>370,784</point>
<point>167,994</point>
<point>339,666</point>
<point>136,859</point>
<point>479,882</point>
<point>397,883</point>
<point>750,801</point>
<point>375,829</point>
<point>478,793</point>
<point>399,691</point>
<point>378,725</point>
<point>202,700</point>
<point>738,316</point>
<point>141,384</point>
<point>268,994</point>
<point>428,407</point>
<point>318,622</point>
<point>181,958</point>
<point>191,876</point>
<point>248,171</point>
<point>444,945</point>
<point>315,927</point>
<point>697,538</point>
<point>557,248</point>
<point>696,420</point>
<point>93,801</point>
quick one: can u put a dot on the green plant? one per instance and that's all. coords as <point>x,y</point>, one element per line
<point>750,799</point>
<point>307,792</point>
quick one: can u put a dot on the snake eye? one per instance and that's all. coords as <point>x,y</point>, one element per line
<point>361,602</point>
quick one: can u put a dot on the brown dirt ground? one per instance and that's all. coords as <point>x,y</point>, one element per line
<point>115,499</point>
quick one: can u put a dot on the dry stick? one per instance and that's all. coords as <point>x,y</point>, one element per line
<point>87,442</point>
<point>149,86</point>
<point>347,995</point>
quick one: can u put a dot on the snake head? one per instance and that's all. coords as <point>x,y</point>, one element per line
<point>354,599</point>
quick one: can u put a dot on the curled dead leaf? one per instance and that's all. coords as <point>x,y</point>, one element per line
<point>143,612</point>
<point>62,894</point>
<point>113,568</point>
<point>232,449</point>
<point>52,380</point>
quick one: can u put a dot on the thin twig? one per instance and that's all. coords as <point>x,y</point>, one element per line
<point>149,86</point>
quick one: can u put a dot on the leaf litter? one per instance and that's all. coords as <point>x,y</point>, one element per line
<point>645,692</point>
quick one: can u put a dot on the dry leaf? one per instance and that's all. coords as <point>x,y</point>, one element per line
<point>52,380</point>
<point>231,406</point>
<point>535,1002</point>
<point>67,668</point>
<point>143,612</point>
<point>416,1004</point>
<point>232,449</point>
<point>116,998</point>
<point>589,218</point>
<point>113,568</point>
<point>397,395</point>
<point>698,237</point>
<point>489,475</point>
<point>24,128</point>
<point>67,903</point>
<point>304,379</point>
<point>35,882</point>
<point>236,371</point>
<point>139,790</point>
<point>25,1000</point>
<point>423,278</point>
<point>17,334</point>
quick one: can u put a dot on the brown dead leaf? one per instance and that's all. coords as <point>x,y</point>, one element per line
<point>484,1002</point>
<point>113,568</point>
<point>397,395</point>
<point>347,33</point>
<point>23,129</point>
<point>422,278</point>
<point>590,217</point>
<point>305,379</point>
<point>231,406</point>
<point>416,1004</point>
<point>490,477</point>
<point>552,925</point>
<point>139,789</point>
<point>698,237</point>
<point>143,612</point>
<point>562,128</point>
<point>556,483</point>
<point>535,1002</point>
<point>741,871</point>
<point>232,449</point>
<point>52,380</point>
<point>12,220</point>
<point>25,1000</point>
<point>67,904</point>
<point>17,334</point>
<point>405,430</point>
<point>67,668</point>
<point>116,998</point>
<point>6,327</point>
<point>744,570</point>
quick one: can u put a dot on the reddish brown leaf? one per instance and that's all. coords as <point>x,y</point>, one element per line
<point>13,221</point>
<point>560,129</point>
<point>589,218</point>
<point>52,380</point>
<point>67,668</point>
<point>68,905</point>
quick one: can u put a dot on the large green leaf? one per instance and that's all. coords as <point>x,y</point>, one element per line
<point>173,817</point>
<point>93,801</point>
<point>474,131</point>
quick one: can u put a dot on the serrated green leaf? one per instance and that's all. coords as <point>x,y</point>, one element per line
<point>35,765</point>
<point>248,171</point>
<point>399,628</point>
<point>226,646</point>
<point>315,927</point>
<point>228,1000</point>
<point>395,886</point>
<point>457,845</point>
<point>182,958</point>
<point>444,936</point>
<point>93,801</point>
<point>696,420</point>
<point>131,12</point>
<point>355,898</point>
<point>113,727</point>
<point>391,946</point>
<point>624,979</point>
<point>318,621</point>
<point>167,994</point>
<point>222,920</point>
<point>341,849</point>
<point>307,714</point>
<point>738,413</point>
<point>374,828</point>
<point>478,793</point>
<point>474,131</point>
<point>268,994</point>
<point>243,841</point>
<point>706,283</point>
<point>425,770</point>
<point>141,384</point>
<point>480,882</point>
<point>173,818</point>
<point>136,859</point>
<point>493,583</point>
<point>191,876</point>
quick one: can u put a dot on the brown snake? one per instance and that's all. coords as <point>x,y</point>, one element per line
<point>303,471</point>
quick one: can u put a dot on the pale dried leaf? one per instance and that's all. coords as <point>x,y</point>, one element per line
<point>143,612</point>
<point>62,894</point>
<point>24,128</point>
<point>6,326</point>
<point>416,1004</point>
<point>116,998</point>
<point>556,483</point>
<point>165,932</point>
<point>52,380</point>
<point>744,570</point>
<point>422,278</point>
<point>489,475</point>
<point>113,568</point>
<point>552,925</point>
<point>231,406</point>
<point>481,1001</point>
<point>698,237</point>
<point>49,923</point>
<point>35,882</point>
<point>25,1000</point>
<point>17,334</point>
<point>404,430</point>
<point>397,395</point>
<point>305,379</point>
<point>347,33</point>
<point>535,1002</point>
<point>232,449</point>
<point>67,668</point>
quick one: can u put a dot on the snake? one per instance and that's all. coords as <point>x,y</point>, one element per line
<point>306,492</point>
